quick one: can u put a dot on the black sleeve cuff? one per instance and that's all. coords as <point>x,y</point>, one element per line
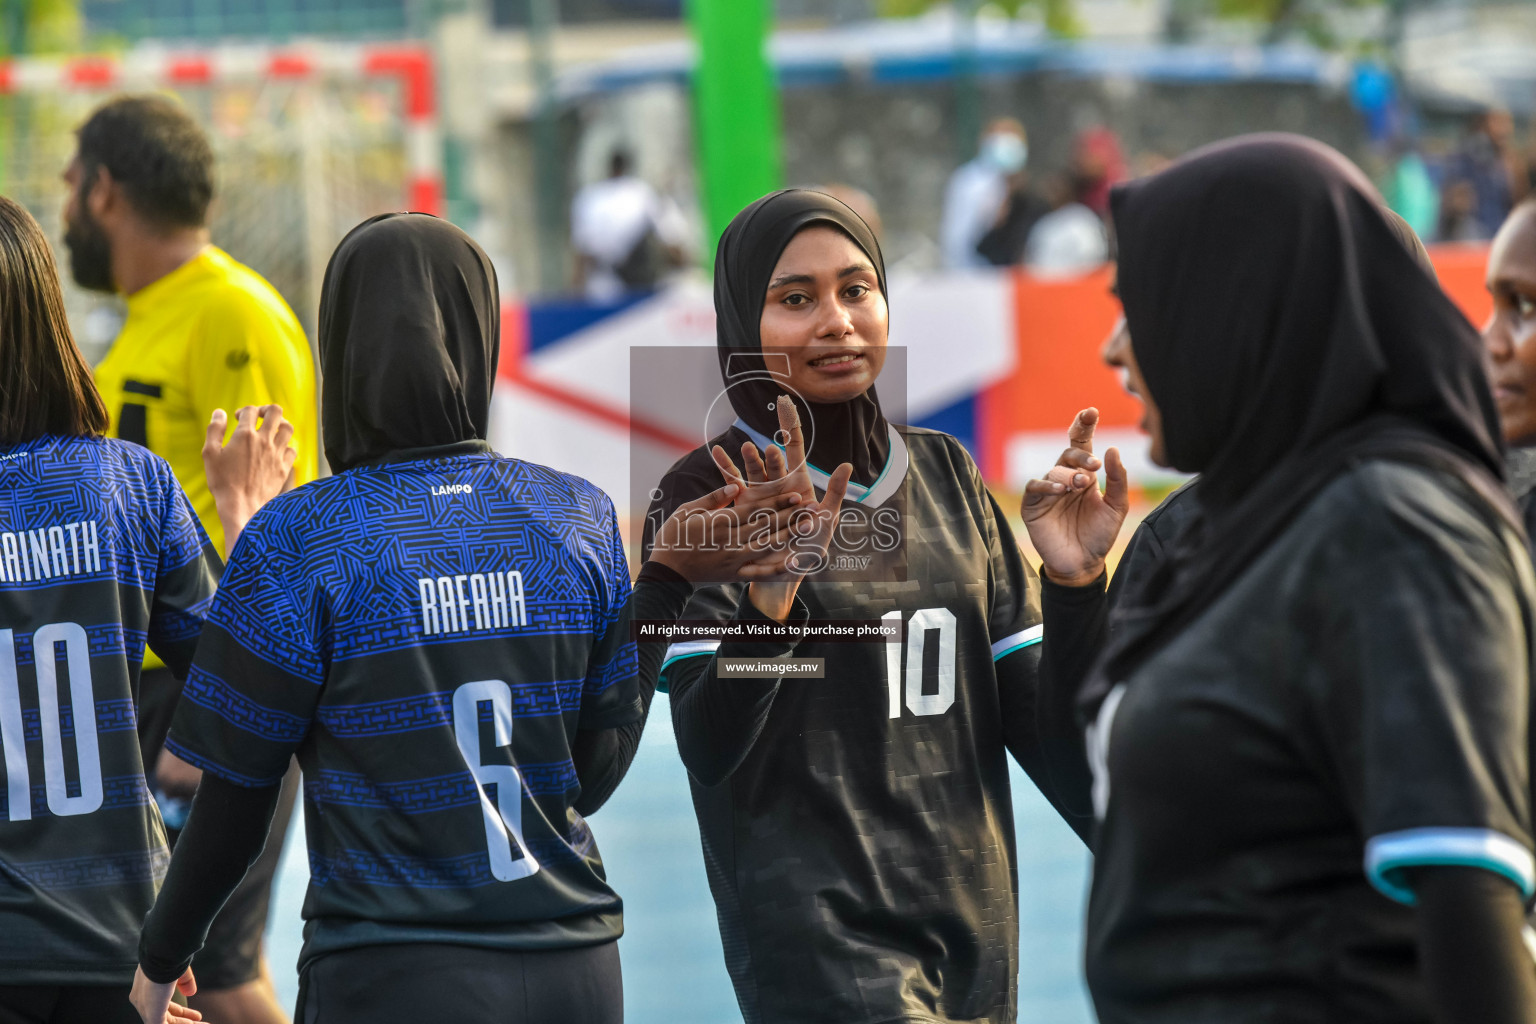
<point>161,972</point>
<point>1060,594</point>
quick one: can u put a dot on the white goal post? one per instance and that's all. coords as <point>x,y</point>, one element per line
<point>309,138</point>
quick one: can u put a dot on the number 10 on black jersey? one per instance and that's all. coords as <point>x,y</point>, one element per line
<point>918,626</point>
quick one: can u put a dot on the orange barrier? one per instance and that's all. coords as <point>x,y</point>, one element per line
<point>1062,325</point>
<point>1059,326</point>
<point>1461,269</point>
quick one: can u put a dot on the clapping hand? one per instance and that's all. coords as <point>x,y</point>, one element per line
<point>1072,524</point>
<point>710,539</point>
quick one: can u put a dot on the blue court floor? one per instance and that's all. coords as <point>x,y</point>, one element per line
<point>673,971</point>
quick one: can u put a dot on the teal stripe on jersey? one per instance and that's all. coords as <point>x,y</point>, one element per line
<point>1389,854</point>
<point>1018,641</point>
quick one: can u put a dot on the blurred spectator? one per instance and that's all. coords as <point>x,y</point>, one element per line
<point>625,233</point>
<point>1459,221</point>
<point>859,201</point>
<point>1410,190</point>
<point>1071,239</point>
<point>1003,245</point>
<point>1097,166</point>
<point>1493,168</point>
<point>977,191</point>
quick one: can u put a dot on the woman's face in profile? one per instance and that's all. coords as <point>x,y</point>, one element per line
<point>1117,352</point>
<point>825,311</point>
<point>1509,338</point>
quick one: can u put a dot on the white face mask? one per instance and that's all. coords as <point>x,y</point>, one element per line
<point>1004,151</point>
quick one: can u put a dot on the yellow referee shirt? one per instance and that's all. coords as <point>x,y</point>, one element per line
<point>211,334</point>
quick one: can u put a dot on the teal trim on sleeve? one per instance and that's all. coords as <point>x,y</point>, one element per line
<point>1390,854</point>
<point>1016,641</point>
<point>661,677</point>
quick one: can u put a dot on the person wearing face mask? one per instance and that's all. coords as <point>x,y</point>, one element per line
<point>1310,723</point>
<point>203,332</point>
<point>977,192</point>
<point>857,828</point>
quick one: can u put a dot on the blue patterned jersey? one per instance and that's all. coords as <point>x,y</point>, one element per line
<point>100,553</point>
<point>427,636</point>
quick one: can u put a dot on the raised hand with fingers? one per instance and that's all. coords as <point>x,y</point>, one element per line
<point>777,574</point>
<point>1071,523</point>
<point>153,999</point>
<point>253,467</point>
<point>810,533</point>
<point>762,480</point>
<point>790,471</point>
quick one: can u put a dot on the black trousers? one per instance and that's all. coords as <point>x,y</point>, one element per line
<point>410,984</point>
<point>66,1004</point>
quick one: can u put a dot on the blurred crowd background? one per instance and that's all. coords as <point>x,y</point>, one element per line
<point>979,139</point>
<point>979,133</point>
<point>565,135</point>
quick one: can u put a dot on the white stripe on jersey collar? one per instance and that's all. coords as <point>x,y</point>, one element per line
<point>877,493</point>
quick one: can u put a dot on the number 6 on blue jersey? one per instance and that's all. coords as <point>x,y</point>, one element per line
<point>504,820</point>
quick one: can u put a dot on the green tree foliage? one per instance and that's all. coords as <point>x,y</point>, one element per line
<point>1279,19</point>
<point>1285,18</point>
<point>40,26</point>
<point>1059,16</point>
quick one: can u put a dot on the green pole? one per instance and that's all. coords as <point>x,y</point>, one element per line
<point>548,173</point>
<point>736,110</point>
<point>967,82</point>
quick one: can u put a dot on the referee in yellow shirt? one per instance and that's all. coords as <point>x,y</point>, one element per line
<point>203,333</point>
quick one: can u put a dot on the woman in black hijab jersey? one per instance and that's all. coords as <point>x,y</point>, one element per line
<point>1309,730</point>
<point>857,828</point>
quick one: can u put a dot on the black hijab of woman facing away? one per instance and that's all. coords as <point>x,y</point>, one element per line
<point>854,431</point>
<point>1285,333</point>
<point>409,333</point>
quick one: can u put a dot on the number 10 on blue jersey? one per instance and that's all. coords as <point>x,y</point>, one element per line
<point>13,730</point>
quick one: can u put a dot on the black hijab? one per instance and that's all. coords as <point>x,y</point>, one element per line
<point>1285,333</point>
<point>854,431</point>
<point>409,331</point>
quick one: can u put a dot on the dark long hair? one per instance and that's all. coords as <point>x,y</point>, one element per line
<point>45,386</point>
